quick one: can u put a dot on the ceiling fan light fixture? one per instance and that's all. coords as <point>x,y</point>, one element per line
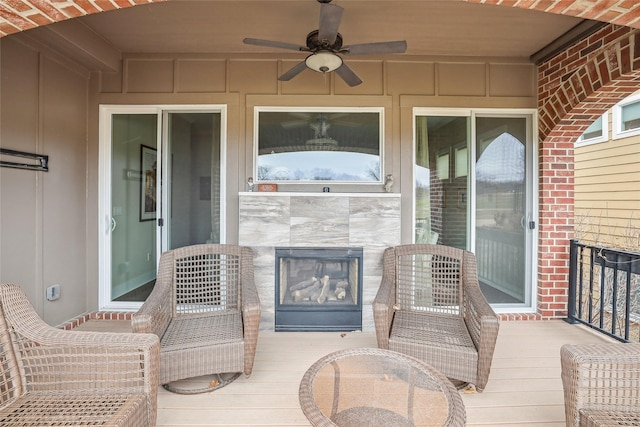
<point>323,61</point>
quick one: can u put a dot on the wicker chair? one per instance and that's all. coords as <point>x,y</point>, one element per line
<point>205,309</point>
<point>53,377</point>
<point>601,384</point>
<point>430,306</point>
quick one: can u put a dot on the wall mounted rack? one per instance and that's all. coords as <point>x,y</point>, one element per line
<point>40,161</point>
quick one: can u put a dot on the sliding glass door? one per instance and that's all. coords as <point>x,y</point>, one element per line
<point>161,187</point>
<point>441,180</point>
<point>132,204</point>
<point>193,171</point>
<point>474,189</point>
<point>501,219</point>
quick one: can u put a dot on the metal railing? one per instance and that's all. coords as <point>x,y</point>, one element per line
<point>604,290</point>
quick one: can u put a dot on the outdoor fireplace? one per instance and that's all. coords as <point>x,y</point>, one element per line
<point>318,289</point>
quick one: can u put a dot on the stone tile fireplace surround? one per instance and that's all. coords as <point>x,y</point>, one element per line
<point>270,220</point>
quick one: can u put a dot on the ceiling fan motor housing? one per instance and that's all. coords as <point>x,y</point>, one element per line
<point>314,43</point>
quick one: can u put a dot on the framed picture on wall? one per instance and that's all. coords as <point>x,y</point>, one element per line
<point>148,166</point>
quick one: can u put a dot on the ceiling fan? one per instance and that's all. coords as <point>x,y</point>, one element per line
<point>325,45</point>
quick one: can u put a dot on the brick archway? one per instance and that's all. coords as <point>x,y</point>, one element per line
<point>20,15</point>
<point>574,88</point>
<point>584,81</point>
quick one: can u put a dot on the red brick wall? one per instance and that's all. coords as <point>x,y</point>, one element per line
<point>574,89</point>
<point>20,15</point>
<point>620,12</point>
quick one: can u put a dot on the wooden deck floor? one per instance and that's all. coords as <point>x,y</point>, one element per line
<point>524,388</point>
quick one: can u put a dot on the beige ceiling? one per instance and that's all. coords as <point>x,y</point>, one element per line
<point>431,27</point>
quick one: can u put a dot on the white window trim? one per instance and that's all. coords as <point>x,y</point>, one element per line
<point>617,132</point>
<point>603,138</point>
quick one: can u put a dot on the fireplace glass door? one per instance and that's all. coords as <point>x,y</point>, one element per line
<point>318,289</point>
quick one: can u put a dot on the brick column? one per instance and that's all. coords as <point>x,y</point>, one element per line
<point>574,89</point>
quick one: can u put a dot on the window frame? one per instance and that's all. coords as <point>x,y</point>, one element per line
<point>617,132</point>
<point>292,109</point>
<point>580,142</point>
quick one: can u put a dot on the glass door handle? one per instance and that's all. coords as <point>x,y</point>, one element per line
<point>114,224</point>
<point>528,224</point>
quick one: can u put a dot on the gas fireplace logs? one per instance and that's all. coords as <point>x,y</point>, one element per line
<point>341,289</point>
<point>325,290</point>
<point>319,290</point>
<point>306,290</point>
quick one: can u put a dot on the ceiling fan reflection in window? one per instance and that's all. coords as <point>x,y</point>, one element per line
<point>325,45</point>
<point>321,137</point>
<point>320,123</point>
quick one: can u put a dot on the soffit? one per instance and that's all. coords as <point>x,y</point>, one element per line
<point>431,27</point>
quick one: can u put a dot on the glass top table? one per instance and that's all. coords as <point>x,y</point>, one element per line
<point>377,387</point>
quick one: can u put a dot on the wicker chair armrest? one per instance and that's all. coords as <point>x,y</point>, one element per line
<point>155,314</point>
<point>475,304</point>
<point>483,325</point>
<point>250,316</point>
<point>152,318</point>
<point>480,318</point>
<point>600,376</point>
<point>477,312</point>
<point>385,299</point>
<point>482,322</point>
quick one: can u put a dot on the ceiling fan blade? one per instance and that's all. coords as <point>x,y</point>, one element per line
<point>348,75</point>
<point>269,43</point>
<point>297,69</point>
<point>294,124</point>
<point>330,17</point>
<point>399,46</point>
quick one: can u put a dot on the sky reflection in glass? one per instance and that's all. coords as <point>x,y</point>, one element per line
<point>319,166</point>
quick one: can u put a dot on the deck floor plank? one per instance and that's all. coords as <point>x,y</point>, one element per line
<point>524,388</point>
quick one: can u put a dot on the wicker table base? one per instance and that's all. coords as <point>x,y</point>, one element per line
<point>364,416</point>
<point>371,386</point>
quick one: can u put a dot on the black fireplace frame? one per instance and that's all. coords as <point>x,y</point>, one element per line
<point>321,317</point>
